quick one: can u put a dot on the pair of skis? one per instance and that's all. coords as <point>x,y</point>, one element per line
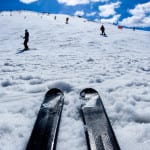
<point>99,133</point>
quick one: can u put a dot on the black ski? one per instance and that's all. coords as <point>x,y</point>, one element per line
<point>99,133</point>
<point>44,134</point>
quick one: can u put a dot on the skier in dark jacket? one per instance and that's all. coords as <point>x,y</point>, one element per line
<point>102,28</point>
<point>67,20</point>
<point>26,40</point>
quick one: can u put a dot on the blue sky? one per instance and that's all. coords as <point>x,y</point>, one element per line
<point>124,12</point>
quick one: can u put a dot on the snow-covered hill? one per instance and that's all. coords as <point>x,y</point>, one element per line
<point>72,57</point>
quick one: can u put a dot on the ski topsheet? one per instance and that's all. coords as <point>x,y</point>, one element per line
<point>99,133</point>
<point>44,134</point>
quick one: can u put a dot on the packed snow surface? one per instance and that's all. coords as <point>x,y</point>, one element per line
<point>72,57</point>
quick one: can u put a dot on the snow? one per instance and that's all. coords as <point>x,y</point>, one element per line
<point>72,57</point>
<point>52,103</point>
<point>90,100</point>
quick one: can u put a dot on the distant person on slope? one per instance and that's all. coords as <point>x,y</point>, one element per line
<point>26,40</point>
<point>67,20</point>
<point>102,28</point>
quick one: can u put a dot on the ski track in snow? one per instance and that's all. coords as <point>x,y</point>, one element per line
<point>72,57</point>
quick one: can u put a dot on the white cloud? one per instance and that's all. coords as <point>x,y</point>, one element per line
<point>90,14</point>
<point>73,2</point>
<point>140,16</point>
<point>141,9</point>
<point>79,13</point>
<point>109,9</point>
<point>77,2</point>
<point>99,0</point>
<point>28,1</point>
<point>114,19</point>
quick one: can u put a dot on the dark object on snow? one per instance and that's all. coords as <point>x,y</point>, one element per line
<point>67,20</point>
<point>19,51</point>
<point>79,16</point>
<point>102,28</point>
<point>120,27</point>
<point>44,134</point>
<point>26,40</point>
<point>99,133</point>
<point>54,17</point>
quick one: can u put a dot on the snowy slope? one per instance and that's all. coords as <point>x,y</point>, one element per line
<point>72,57</point>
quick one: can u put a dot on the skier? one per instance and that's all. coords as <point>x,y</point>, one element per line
<point>26,40</point>
<point>102,28</point>
<point>67,19</point>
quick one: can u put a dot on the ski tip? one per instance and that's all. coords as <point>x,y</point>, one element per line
<point>53,91</point>
<point>87,91</point>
